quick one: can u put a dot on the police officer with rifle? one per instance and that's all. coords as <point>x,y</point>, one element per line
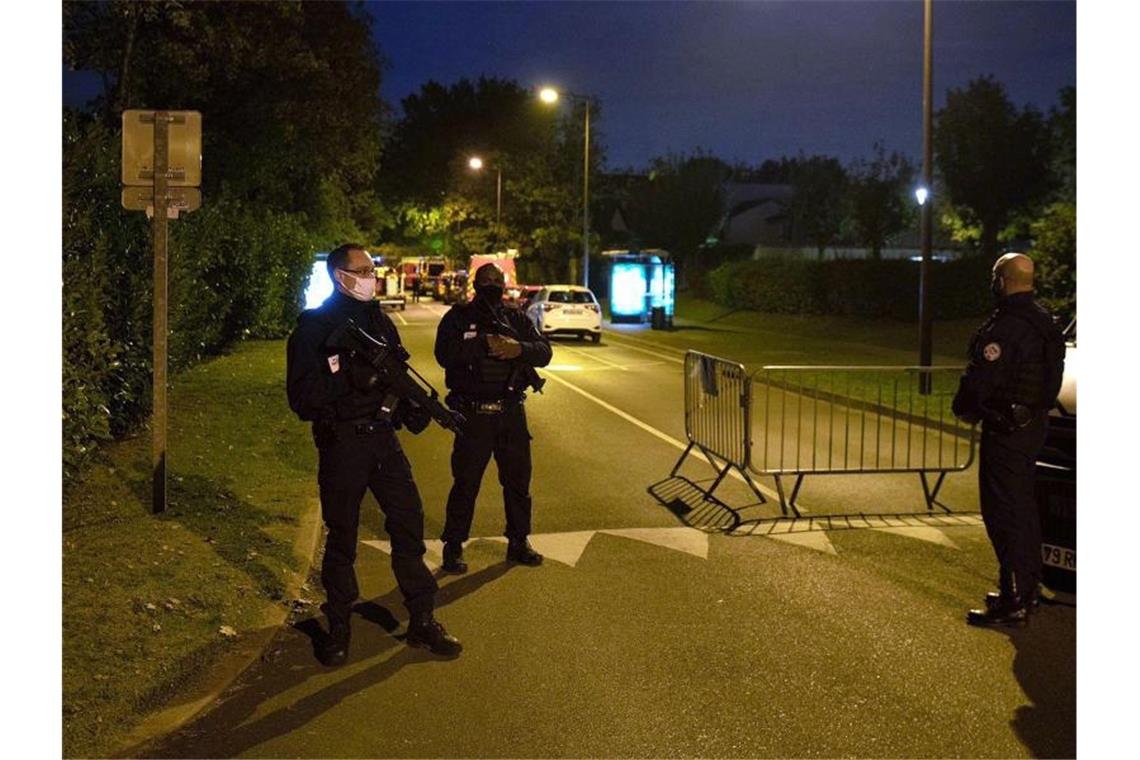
<point>1016,364</point>
<point>489,354</point>
<point>347,374</point>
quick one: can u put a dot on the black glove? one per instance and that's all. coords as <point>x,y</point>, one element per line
<point>363,376</point>
<point>415,418</point>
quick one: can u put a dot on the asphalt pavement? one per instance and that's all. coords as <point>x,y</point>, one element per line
<point>663,625</point>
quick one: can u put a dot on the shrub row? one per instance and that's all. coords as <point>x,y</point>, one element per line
<point>852,287</point>
<point>234,271</point>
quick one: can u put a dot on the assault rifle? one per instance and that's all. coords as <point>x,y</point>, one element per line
<point>391,364</point>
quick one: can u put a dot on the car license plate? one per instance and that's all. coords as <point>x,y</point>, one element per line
<point>573,311</point>
<point>1059,556</point>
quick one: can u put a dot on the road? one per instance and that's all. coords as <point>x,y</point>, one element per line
<point>648,633</point>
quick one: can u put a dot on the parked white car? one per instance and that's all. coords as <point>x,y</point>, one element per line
<point>566,310</point>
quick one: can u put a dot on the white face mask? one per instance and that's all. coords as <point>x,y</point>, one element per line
<point>355,286</point>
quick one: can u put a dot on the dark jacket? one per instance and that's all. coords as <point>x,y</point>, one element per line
<point>1017,357</point>
<point>317,376</point>
<point>469,370</point>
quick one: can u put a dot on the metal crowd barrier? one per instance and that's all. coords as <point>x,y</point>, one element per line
<point>718,418</point>
<point>819,420</point>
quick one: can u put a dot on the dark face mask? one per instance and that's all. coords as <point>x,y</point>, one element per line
<point>490,293</point>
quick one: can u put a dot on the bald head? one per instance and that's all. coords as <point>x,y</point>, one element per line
<point>1015,271</point>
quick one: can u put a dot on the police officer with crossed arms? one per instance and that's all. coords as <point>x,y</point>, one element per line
<point>354,427</point>
<point>1014,374</point>
<point>489,353</point>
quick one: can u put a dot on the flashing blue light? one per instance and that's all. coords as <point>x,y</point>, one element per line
<point>320,286</point>
<point>627,293</point>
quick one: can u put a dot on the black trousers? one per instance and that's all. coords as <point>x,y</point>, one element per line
<point>505,436</point>
<point>1009,507</point>
<point>349,463</point>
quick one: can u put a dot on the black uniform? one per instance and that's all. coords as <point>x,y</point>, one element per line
<point>490,393</point>
<point>1011,382</point>
<point>357,450</point>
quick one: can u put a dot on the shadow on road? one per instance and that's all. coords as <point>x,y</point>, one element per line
<point>1045,666</point>
<point>224,731</point>
<point>692,505</point>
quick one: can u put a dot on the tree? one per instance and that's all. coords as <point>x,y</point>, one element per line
<point>819,200</point>
<point>993,158</point>
<point>1055,253</point>
<point>681,203</point>
<point>1063,143</point>
<point>291,124</point>
<point>538,150</point>
<point>879,198</point>
<point>441,124</point>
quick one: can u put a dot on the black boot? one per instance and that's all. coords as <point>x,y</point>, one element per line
<point>520,551</point>
<point>1004,613</point>
<point>333,649</point>
<point>425,632</point>
<point>453,558</point>
<point>1010,606</point>
<point>993,599</point>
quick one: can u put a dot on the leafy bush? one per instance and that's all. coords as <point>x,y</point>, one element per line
<point>234,271</point>
<point>1055,254</point>
<point>852,287</point>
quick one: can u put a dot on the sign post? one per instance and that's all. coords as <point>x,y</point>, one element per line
<point>161,176</point>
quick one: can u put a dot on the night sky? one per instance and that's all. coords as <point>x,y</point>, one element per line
<point>744,80</point>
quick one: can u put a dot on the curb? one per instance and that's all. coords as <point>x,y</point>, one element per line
<point>235,662</point>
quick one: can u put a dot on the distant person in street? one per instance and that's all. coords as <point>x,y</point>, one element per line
<point>358,450</point>
<point>1016,360</point>
<point>489,353</point>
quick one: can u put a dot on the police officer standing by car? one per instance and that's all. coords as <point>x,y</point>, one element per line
<point>1014,374</point>
<point>489,353</point>
<point>354,427</point>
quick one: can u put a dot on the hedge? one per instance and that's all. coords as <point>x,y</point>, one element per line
<point>234,271</point>
<point>852,287</point>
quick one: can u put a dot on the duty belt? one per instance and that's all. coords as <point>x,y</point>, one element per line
<point>365,425</point>
<point>486,406</point>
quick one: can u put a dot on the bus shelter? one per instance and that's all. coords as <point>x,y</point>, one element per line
<point>642,287</point>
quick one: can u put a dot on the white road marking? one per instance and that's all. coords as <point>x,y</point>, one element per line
<point>933,535</point>
<point>400,317</point>
<point>566,548</point>
<point>603,368</point>
<point>431,559</point>
<point>649,428</point>
<point>624,344</point>
<point>816,540</point>
<point>593,356</point>
<point>688,540</point>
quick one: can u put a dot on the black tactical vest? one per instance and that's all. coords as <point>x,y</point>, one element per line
<point>1037,379</point>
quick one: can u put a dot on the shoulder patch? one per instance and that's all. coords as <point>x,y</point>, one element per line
<point>992,352</point>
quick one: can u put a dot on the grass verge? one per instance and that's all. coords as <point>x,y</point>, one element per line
<point>756,338</point>
<point>150,602</point>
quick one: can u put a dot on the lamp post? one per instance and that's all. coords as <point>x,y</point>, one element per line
<point>550,96</point>
<point>925,202</point>
<point>476,164</point>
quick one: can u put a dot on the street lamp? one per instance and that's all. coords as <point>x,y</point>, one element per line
<point>550,96</point>
<point>476,164</point>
